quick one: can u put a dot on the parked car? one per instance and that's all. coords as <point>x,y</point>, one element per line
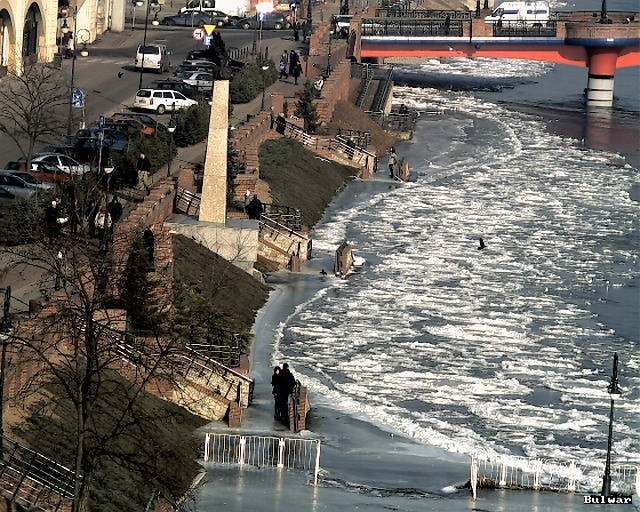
<point>200,80</point>
<point>175,84</point>
<point>30,179</point>
<point>161,101</point>
<point>64,162</point>
<point>153,56</point>
<point>130,125</point>
<point>43,171</point>
<point>6,200</point>
<point>17,186</point>
<point>197,65</point>
<point>209,6</point>
<point>145,118</point>
<point>196,19</point>
<point>115,139</point>
<point>272,21</point>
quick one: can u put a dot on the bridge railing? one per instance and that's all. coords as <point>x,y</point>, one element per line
<point>411,27</point>
<point>516,29</point>
<point>391,12</point>
<point>263,451</point>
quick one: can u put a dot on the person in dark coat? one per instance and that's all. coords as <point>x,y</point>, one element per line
<point>276,385</point>
<point>288,380</point>
<point>254,208</point>
<point>296,31</point>
<point>115,209</point>
<point>149,241</point>
<point>294,62</point>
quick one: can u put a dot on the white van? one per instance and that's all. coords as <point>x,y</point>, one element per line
<point>153,56</point>
<point>232,7</point>
<point>534,14</point>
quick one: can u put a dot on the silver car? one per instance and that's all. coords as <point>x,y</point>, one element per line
<point>30,179</point>
<point>16,186</point>
<point>64,162</point>
<point>199,79</point>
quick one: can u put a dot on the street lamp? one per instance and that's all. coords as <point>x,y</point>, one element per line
<point>603,12</point>
<point>614,392</point>
<point>150,4</point>
<point>171,128</point>
<point>264,85</point>
<point>5,326</point>
<point>84,36</point>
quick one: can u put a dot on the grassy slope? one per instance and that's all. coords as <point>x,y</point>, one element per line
<point>232,295</point>
<point>300,179</point>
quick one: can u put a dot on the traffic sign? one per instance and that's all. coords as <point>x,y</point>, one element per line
<point>209,29</point>
<point>101,122</point>
<point>262,16</point>
<point>198,34</point>
<point>77,98</point>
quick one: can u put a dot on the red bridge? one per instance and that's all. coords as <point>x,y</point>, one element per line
<point>600,43</point>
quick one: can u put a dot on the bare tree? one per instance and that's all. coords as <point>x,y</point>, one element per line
<point>77,350</point>
<point>32,106</point>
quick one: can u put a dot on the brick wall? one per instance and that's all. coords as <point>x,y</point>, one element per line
<point>245,180</point>
<point>336,87</point>
<point>298,411</point>
<point>249,136</point>
<point>153,210</point>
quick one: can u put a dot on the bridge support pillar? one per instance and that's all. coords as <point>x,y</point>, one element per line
<point>602,70</point>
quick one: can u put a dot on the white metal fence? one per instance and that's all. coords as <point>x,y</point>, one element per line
<point>540,474</point>
<point>263,451</point>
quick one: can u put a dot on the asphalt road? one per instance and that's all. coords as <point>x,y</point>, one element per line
<point>97,74</point>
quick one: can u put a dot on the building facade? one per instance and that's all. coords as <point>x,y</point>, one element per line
<point>36,30</point>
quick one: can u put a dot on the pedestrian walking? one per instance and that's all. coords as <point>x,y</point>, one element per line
<point>293,61</point>
<point>149,241</point>
<point>282,67</point>
<point>296,31</point>
<point>103,227</point>
<point>393,161</point>
<point>115,209</point>
<point>144,171</point>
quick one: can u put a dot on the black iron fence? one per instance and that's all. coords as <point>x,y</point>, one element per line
<point>397,12</point>
<point>27,470</point>
<point>411,27</point>
<point>518,29</point>
<point>219,344</point>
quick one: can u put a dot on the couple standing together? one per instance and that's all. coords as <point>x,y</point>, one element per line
<point>283,382</point>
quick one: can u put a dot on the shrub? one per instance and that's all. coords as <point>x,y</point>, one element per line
<point>192,125</point>
<point>306,109</point>
<point>247,84</point>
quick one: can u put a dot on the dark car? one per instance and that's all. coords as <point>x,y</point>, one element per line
<point>271,21</point>
<point>115,139</point>
<point>197,18</point>
<point>175,84</point>
<point>210,55</point>
<point>145,118</point>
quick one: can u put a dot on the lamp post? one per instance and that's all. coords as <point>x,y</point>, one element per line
<point>328,70</point>
<point>264,86</point>
<point>614,392</point>
<point>84,36</point>
<point>603,12</point>
<point>154,4</point>
<point>171,128</point>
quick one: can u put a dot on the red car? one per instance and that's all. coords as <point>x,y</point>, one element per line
<point>44,171</point>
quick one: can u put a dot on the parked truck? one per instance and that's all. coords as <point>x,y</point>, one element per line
<point>534,14</point>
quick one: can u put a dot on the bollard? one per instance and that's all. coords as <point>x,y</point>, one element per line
<point>206,446</point>
<point>281,453</point>
<point>316,470</point>
<point>243,442</point>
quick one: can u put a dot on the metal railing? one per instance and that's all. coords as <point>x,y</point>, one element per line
<point>541,474</point>
<point>411,27</point>
<point>187,202</point>
<point>392,12</point>
<point>395,121</point>
<point>516,29</point>
<point>220,345</point>
<point>366,79</point>
<point>382,93</point>
<point>284,215</point>
<point>35,478</point>
<point>263,451</point>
